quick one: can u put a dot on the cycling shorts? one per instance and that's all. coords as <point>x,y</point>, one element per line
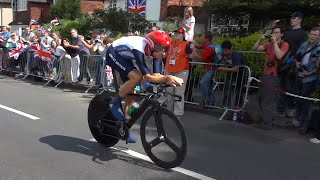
<point>118,63</point>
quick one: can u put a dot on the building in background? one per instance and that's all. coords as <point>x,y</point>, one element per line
<point>24,10</point>
<point>157,11</point>
<point>229,26</point>
<point>6,13</point>
<point>88,6</point>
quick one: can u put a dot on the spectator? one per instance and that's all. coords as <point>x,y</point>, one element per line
<point>233,60</point>
<point>46,40</point>
<point>27,35</point>
<point>155,28</point>
<point>275,51</point>
<point>307,61</point>
<point>295,37</point>
<point>94,43</point>
<point>12,40</point>
<point>315,122</point>
<point>188,23</point>
<point>33,64</point>
<point>59,53</point>
<point>71,61</point>
<point>83,52</point>
<point>5,34</point>
<point>210,55</point>
<point>57,37</point>
<point>11,44</point>
<point>177,64</point>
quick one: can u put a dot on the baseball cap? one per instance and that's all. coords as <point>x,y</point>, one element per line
<point>96,31</point>
<point>180,30</point>
<point>297,14</point>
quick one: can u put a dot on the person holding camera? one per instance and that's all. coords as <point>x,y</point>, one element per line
<point>275,51</point>
<point>307,62</point>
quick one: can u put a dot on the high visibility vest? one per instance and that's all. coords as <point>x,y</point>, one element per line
<point>177,59</point>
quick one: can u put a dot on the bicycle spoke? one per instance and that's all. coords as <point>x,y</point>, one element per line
<point>154,142</point>
<point>159,123</point>
<point>173,146</point>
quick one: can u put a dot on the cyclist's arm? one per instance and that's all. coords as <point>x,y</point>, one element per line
<point>156,78</point>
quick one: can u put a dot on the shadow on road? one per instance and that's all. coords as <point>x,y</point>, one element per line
<point>93,149</point>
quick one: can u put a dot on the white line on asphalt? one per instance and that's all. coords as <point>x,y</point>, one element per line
<point>19,112</point>
<point>146,158</point>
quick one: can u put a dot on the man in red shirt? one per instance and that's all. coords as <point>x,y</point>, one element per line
<point>275,50</point>
<point>207,56</point>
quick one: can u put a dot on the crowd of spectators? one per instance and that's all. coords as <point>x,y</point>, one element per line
<point>291,64</point>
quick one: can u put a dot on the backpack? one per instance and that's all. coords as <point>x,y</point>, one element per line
<point>217,50</point>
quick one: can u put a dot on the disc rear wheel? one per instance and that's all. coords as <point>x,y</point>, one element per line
<point>98,112</point>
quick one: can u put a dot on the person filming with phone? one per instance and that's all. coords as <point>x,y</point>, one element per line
<point>275,50</point>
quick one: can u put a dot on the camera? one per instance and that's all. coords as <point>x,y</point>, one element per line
<point>267,33</point>
<point>301,68</point>
<point>270,63</point>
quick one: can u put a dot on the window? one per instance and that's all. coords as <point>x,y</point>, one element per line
<point>14,5</point>
<point>233,22</point>
<point>22,5</point>
<point>113,4</point>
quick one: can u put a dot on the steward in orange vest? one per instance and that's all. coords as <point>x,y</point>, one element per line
<point>178,55</point>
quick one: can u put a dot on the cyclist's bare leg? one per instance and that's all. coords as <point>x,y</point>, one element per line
<point>128,103</point>
<point>128,87</point>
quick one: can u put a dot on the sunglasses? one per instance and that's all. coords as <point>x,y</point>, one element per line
<point>160,48</point>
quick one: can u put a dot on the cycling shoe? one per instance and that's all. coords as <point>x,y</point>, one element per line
<point>131,139</point>
<point>116,109</point>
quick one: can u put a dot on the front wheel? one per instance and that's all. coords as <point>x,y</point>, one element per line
<point>163,137</point>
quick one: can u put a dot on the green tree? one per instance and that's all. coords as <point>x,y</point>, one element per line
<point>172,23</point>
<point>119,21</point>
<point>261,11</point>
<point>82,24</point>
<point>66,9</point>
<point>115,20</point>
<point>137,23</point>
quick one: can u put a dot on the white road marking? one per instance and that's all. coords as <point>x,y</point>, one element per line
<point>146,158</point>
<point>19,112</point>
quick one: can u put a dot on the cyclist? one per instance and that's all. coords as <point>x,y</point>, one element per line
<point>127,55</point>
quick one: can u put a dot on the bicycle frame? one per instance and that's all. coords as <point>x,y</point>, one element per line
<point>145,103</point>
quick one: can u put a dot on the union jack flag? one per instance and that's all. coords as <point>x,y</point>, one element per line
<point>137,6</point>
<point>43,54</point>
<point>32,21</point>
<point>15,52</point>
<point>54,22</point>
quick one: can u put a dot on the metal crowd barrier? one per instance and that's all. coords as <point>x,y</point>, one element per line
<point>229,90</point>
<point>218,89</point>
<point>255,60</point>
<point>37,67</point>
<point>101,76</point>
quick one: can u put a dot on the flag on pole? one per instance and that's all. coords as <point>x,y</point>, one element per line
<point>54,22</point>
<point>32,21</point>
<point>137,6</point>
